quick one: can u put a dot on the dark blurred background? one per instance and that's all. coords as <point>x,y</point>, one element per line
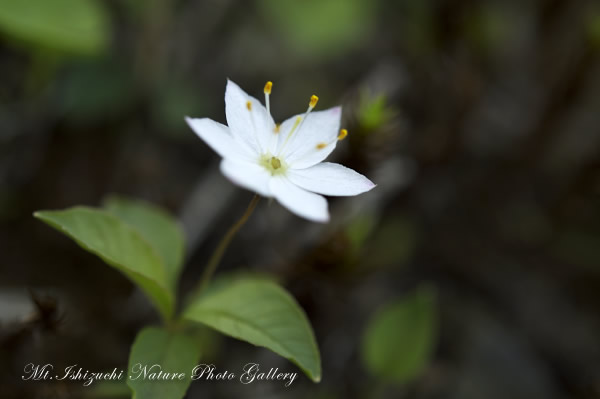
<point>478,120</point>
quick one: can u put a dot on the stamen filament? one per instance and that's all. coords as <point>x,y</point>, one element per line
<point>267,91</point>
<point>292,130</point>
<point>249,107</point>
<point>300,121</point>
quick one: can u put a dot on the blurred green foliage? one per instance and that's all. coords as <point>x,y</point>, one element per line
<point>72,26</point>
<point>177,100</point>
<point>358,231</point>
<point>578,248</point>
<point>96,91</point>
<point>392,243</point>
<point>373,111</point>
<point>322,28</point>
<point>486,28</point>
<point>386,244</point>
<point>593,26</point>
<point>416,22</point>
<point>400,338</point>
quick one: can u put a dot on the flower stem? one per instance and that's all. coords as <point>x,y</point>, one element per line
<point>215,258</point>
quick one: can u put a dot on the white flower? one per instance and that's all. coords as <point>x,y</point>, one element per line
<point>282,161</point>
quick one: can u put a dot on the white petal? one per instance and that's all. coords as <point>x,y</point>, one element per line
<point>301,202</point>
<point>331,179</point>
<point>254,126</point>
<point>313,140</point>
<point>218,137</point>
<point>248,175</point>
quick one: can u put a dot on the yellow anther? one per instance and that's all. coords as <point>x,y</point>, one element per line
<point>320,146</point>
<point>277,128</point>
<point>268,87</point>
<point>343,134</point>
<point>249,105</point>
<point>275,163</point>
<point>313,101</point>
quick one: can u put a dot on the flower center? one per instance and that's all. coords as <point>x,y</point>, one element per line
<point>273,164</point>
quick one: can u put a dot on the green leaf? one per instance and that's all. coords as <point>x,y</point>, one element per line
<point>262,313</point>
<point>173,352</point>
<point>400,338</point>
<point>76,26</point>
<point>119,245</point>
<point>157,227</point>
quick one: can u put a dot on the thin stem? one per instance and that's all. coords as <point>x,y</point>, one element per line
<point>215,258</point>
